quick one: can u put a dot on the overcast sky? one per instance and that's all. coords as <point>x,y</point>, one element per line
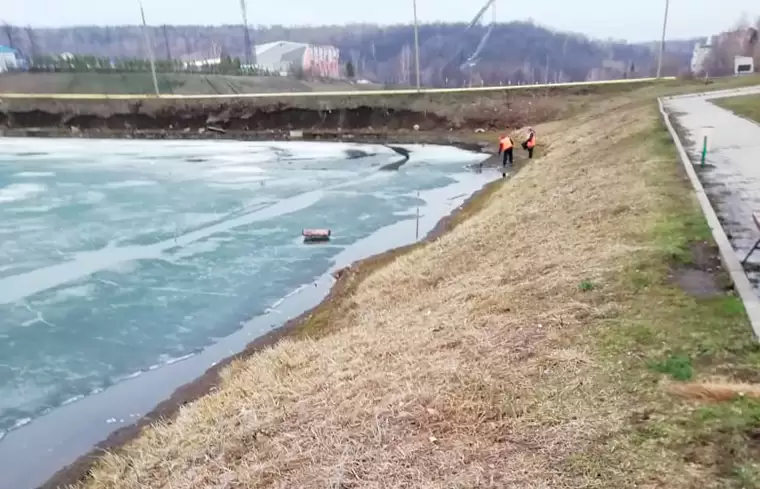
<point>622,19</point>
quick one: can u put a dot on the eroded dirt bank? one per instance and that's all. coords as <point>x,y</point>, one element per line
<point>210,117</point>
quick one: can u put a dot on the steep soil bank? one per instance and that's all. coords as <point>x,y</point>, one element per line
<point>449,111</point>
<point>223,117</point>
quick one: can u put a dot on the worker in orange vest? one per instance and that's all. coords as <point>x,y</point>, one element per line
<point>506,149</point>
<point>530,143</point>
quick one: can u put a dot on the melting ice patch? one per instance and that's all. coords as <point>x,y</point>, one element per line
<point>141,252</point>
<point>436,153</point>
<point>20,191</point>
<point>127,184</point>
<point>34,174</point>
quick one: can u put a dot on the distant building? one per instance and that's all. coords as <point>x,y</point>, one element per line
<point>10,59</point>
<point>285,57</point>
<point>193,62</point>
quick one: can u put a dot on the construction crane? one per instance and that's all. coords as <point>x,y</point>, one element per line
<point>475,56</point>
<point>250,54</point>
<point>149,45</point>
<point>454,67</point>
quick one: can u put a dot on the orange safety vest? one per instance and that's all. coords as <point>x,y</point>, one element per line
<point>505,143</point>
<point>531,140</point>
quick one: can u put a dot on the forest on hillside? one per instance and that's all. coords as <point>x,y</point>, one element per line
<point>516,52</point>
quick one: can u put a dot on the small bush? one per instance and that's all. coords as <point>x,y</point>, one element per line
<point>586,286</point>
<point>677,366</point>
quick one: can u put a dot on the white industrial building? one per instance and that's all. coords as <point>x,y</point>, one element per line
<point>283,57</point>
<point>278,58</point>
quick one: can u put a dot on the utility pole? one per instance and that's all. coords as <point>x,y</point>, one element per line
<point>560,75</point>
<point>32,43</point>
<point>166,43</point>
<point>416,45</point>
<point>150,48</point>
<point>662,40</point>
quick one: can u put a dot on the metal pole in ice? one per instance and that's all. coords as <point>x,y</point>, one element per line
<point>417,227</point>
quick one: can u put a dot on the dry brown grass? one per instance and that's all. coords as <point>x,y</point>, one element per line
<point>715,391</point>
<point>474,361</point>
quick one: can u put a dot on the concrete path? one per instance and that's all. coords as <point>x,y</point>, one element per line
<point>731,176</point>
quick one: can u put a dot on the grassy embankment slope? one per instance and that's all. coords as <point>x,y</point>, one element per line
<point>169,83</point>
<point>747,106</point>
<point>553,338</point>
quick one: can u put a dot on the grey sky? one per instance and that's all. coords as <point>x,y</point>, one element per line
<point>623,19</point>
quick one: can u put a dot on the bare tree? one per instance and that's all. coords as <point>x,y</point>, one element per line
<point>9,35</point>
<point>741,41</point>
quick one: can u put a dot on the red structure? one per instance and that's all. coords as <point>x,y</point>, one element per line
<point>322,61</point>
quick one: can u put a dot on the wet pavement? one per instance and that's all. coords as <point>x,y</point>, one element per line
<point>731,171</point>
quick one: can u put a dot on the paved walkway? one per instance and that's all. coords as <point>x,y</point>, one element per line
<point>731,176</point>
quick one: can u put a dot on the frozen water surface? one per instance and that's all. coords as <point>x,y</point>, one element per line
<point>117,257</point>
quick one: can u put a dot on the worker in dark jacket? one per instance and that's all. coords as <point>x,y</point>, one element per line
<point>506,150</point>
<point>530,143</point>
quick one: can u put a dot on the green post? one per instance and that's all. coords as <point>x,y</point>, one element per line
<point>704,150</point>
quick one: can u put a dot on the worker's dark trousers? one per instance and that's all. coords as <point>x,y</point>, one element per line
<point>507,155</point>
<point>530,153</point>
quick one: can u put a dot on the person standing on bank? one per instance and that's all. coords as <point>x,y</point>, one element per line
<point>506,149</point>
<point>530,143</point>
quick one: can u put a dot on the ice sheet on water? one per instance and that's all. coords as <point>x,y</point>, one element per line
<point>127,184</point>
<point>436,153</point>
<point>34,174</point>
<point>20,191</point>
<point>133,255</point>
<point>201,151</point>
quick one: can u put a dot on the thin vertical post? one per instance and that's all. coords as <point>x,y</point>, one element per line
<point>662,40</point>
<point>150,48</point>
<point>417,226</point>
<point>416,45</point>
<point>704,151</point>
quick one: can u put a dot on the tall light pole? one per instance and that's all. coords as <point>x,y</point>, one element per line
<point>150,47</point>
<point>416,45</point>
<point>662,40</point>
<point>249,53</point>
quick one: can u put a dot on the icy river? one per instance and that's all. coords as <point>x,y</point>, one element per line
<point>122,259</point>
